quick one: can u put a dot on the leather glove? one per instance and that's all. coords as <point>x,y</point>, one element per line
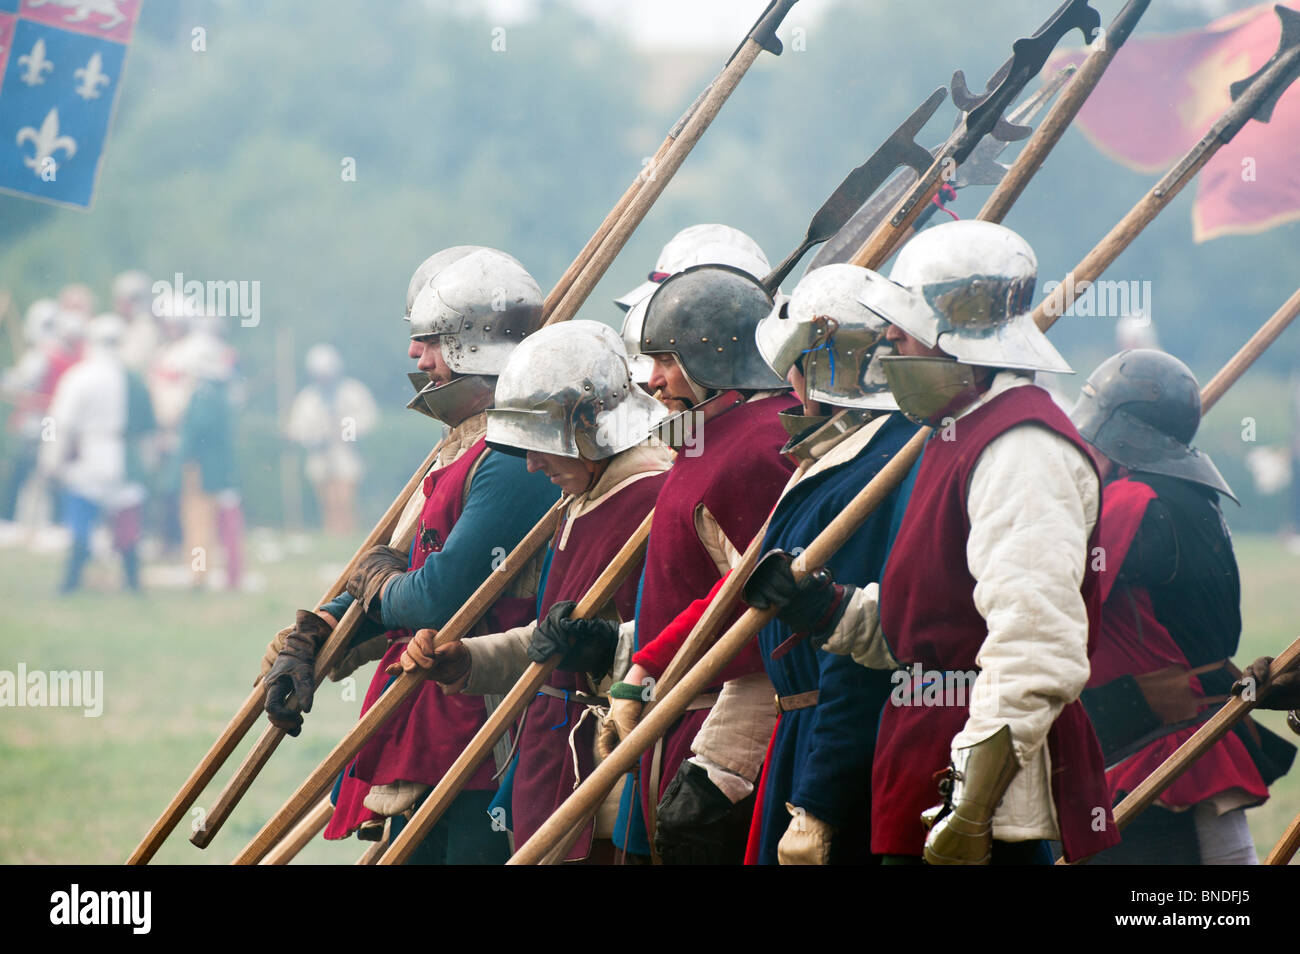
<point>1281,693</point>
<point>807,840</point>
<point>583,645</point>
<point>1168,692</point>
<point>813,605</point>
<point>272,651</point>
<point>698,824</point>
<point>446,664</point>
<point>372,572</point>
<point>368,650</point>
<point>294,671</point>
<point>626,701</point>
<point>395,798</point>
<point>961,829</point>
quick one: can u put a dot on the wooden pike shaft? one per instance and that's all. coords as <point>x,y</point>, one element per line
<point>1249,352</point>
<point>890,234</point>
<point>373,853</point>
<point>658,178</point>
<point>1285,849</point>
<point>588,795</point>
<point>458,626</point>
<point>251,709</point>
<point>615,214</point>
<point>1062,113</point>
<point>307,829</point>
<point>1163,192</point>
<point>528,685</point>
<point>702,635</point>
<point>659,167</point>
<point>1138,800</point>
<point>333,650</point>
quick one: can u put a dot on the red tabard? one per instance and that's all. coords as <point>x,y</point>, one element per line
<point>544,776</point>
<point>738,476</point>
<point>1134,642</point>
<point>928,615</point>
<point>428,731</point>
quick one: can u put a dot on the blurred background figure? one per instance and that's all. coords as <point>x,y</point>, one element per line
<point>29,385</point>
<point>133,301</point>
<point>97,416</point>
<point>170,384</point>
<point>203,468</point>
<point>327,418</point>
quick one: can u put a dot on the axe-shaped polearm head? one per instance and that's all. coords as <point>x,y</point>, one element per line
<point>1029,55</point>
<point>763,31</point>
<point>1286,45</point>
<point>980,168</point>
<point>984,112</point>
<point>1252,98</point>
<point>899,150</point>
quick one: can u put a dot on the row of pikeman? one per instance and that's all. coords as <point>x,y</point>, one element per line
<point>950,637</point>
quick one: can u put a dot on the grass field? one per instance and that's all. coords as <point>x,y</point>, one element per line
<point>177,664</point>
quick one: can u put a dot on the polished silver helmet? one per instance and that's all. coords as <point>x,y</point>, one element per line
<point>431,266</point>
<point>706,316</point>
<point>567,391</point>
<point>1141,409</point>
<point>479,307</point>
<point>973,285</point>
<point>700,245</point>
<point>832,336</point>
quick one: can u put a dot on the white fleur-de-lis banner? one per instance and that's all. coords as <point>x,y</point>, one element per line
<point>60,70</point>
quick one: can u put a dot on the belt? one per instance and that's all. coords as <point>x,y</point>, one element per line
<point>800,700</point>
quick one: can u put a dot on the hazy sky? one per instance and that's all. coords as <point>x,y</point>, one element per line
<point>714,24</point>
<point>719,24</point>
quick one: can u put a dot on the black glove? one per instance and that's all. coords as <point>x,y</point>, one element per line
<point>584,645</point>
<point>373,571</point>
<point>294,671</point>
<point>813,605</point>
<point>698,824</point>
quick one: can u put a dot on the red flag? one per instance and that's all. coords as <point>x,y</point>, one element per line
<point>1161,94</point>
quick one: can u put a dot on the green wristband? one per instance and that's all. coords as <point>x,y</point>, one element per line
<point>626,690</point>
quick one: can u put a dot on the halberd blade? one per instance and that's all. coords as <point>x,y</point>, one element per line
<point>1290,39</point>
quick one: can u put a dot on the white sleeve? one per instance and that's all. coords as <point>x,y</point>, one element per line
<point>1032,503</point>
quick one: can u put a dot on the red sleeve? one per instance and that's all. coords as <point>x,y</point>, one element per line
<point>655,655</point>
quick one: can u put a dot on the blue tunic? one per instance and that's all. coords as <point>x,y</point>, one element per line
<point>821,756</point>
<point>430,595</point>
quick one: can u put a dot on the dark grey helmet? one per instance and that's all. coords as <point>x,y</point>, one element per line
<point>1141,409</point>
<point>706,316</point>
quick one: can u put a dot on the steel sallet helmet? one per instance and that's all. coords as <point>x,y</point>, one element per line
<point>707,244</point>
<point>838,338</point>
<point>975,284</point>
<point>567,391</point>
<point>425,272</point>
<point>430,267</point>
<point>706,316</point>
<point>1141,409</point>
<point>479,306</point>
